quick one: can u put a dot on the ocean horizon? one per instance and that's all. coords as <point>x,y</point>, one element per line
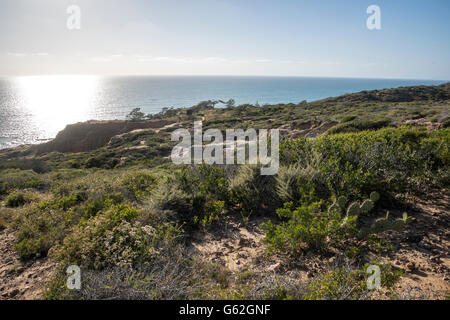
<point>33,109</point>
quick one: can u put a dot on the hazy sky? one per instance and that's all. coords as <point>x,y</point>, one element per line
<point>227,37</point>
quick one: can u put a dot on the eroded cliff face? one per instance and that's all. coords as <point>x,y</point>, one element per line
<point>88,136</point>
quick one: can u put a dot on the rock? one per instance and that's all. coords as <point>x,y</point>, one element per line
<point>243,242</point>
<point>13,293</point>
<point>436,259</point>
<point>410,267</point>
<point>274,267</point>
<point>423,244</point>
<point>414,238</point>
<point>242,255</point>
<point>20,269</point>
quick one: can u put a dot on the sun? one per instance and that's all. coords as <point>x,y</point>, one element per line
<point>55,101</point>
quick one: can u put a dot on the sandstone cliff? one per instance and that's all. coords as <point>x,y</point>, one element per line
<point>87,136</point>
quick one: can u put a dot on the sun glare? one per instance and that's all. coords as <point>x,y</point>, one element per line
<point>55,101</point>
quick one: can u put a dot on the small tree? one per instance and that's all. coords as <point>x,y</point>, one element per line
<point>230,103</point>
<point>136,115</point>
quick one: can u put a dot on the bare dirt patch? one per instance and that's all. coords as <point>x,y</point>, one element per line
<point>18,280</point>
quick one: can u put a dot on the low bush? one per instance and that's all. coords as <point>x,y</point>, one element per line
<point>348,118</point>
<point>139,183</point>
<point>113,238</point>
<point>251,192</point>
<point>307,226</point>
<point>301,184</point>
<point>6,217</point>
<point>346,283</point>
<point>388,160</point>
<point>359,125</point>
<point>20,198</point>
<point>13,179</point>
<point>105,160</point>
<point>194,194</point>
<point>38,229</point>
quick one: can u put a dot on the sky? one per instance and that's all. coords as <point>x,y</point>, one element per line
<point>227,37</point>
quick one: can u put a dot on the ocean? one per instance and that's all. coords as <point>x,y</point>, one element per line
<point>34,109</point>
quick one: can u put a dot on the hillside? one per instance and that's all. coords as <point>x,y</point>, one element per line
<point>363,180</point>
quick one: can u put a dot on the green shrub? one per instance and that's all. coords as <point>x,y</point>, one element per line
<point>41,227</point>
<point>360,125</point>
<point>190,194</point>
<point>92,207</point>
<point>19,198</point>
<point>306,225</point>
<point>388,160</point>
<point>213,211</point>
<point>105,160</point>
<point>139,183</point>
<point>12,179</point>
<point>210,181</point>
<point>38,229</point>
<point>113,238</point>
<point>29,248</point>
<point>6,217</point>
<point>348,118</point>
<point>300,184</point>
<point>93,183</point>
<point>63,203</point>
<point>251,192</point>
<point>169,197</point>
<point>345,283</point>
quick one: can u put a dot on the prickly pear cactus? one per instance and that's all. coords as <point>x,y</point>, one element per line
<point>366,206</point>
<point>342,201</point>
<point>353,209</point>
<point>334,207</point>
<point>374,196</point>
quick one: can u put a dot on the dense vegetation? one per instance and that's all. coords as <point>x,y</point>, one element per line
<point>126,216</point>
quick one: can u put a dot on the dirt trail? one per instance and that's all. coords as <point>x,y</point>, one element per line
<point>423,249</point>
<point>236,246</point>
<point>24,281</point>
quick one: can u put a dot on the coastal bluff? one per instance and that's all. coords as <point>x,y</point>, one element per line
<point>90,135</point>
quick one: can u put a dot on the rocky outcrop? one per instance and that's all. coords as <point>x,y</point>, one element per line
<point>87,136</point>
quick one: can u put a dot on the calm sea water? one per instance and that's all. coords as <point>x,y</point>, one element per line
<point>34,109</point>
